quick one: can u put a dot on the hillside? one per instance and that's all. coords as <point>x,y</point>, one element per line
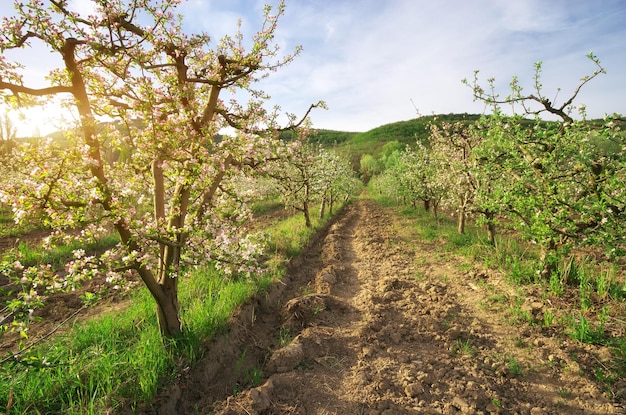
<point>354,145</point>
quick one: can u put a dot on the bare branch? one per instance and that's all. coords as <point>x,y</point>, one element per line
<point>66,12</point>
<point>320,104</point>
<point>517,97</point>
<point>24,38</point>
<point>52,90</point>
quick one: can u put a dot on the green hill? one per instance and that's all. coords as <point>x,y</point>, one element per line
<point>354,145</point>
<point>331,138</point>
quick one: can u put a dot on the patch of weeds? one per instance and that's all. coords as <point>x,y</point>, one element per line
<point>318,309</point>
<point>603,316</point>
<point>285,336</point>
<point>239,364</point>
<point>497,298</point>
<point>447,321</point>
<point>607,373</point>
<point>429,233</point>
<point>266,206</point>
<point>520,271</point>
<point>419,275</point>
<point>583,331</point>
<point>557,287</point>
<point>548,318</point>
<point>567,271</point>
<point>617,290</point>
<point>253,376</point>
<point>496,402</point>
<point>463,346</point>
<point>564,393</point>
<point>480,252</point>
<point>586,289</point>
<point>580,330</point>
<point>514,366</point>
<point>90,298</point>
<point>466,267</point>
<point>521,343</point>
<point>306,290</point>
<point>460,240</point>
<point>606,378</point>
<point>604,281</point>
<point>518,315</point>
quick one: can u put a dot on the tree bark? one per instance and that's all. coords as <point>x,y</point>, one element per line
<point>323,208</point>
<point>168,311</point>
<point>307,215</point>
<point>491,228</point>
<point>548,258</point>
<point>461,220</point>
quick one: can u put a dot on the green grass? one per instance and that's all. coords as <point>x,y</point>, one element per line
<point>101,363</point>
<point>8,227</point>
<point>266,206</point>
<point>289,236</point>
<point>120,359</point>
<point>32,255</point>
<point>514,366</point>
<point>463,346</point>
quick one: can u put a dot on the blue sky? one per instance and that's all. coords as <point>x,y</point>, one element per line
<point>372,61</point>
<point>369,59</point>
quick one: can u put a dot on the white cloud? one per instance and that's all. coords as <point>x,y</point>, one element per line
<point>84,8</point>
<point>369,58</point>
<point>378,59</point>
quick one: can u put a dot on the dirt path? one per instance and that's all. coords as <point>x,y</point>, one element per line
<point>370,322</point>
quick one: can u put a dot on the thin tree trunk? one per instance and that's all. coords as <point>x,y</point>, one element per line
<point>168,307</point>
<point>322,208</point>
<point>168,310</point>
<point>307,215</point>
<point>461,220</point>
<point>548,258</point>
<point>491,228</point>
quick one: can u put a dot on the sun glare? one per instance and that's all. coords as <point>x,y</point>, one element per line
<point>40,121</point>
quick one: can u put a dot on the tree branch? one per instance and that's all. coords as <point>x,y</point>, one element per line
<point>52,90</point>
<point>66,13</point>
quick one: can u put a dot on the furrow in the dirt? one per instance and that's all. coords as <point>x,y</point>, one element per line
<point>381,326</point>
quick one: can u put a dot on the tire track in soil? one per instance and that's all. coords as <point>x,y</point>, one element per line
<point>380,325</point>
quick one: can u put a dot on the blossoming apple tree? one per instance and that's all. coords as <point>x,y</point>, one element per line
<point>561,183</point>
<point>169,93</point>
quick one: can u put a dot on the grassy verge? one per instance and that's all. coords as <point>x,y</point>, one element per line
<point>120,358</point>
<point>584,300</point>
<point>33,255</point>
<point>8,227</point>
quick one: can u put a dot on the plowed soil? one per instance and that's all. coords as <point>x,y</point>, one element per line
<point>371,320</point>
